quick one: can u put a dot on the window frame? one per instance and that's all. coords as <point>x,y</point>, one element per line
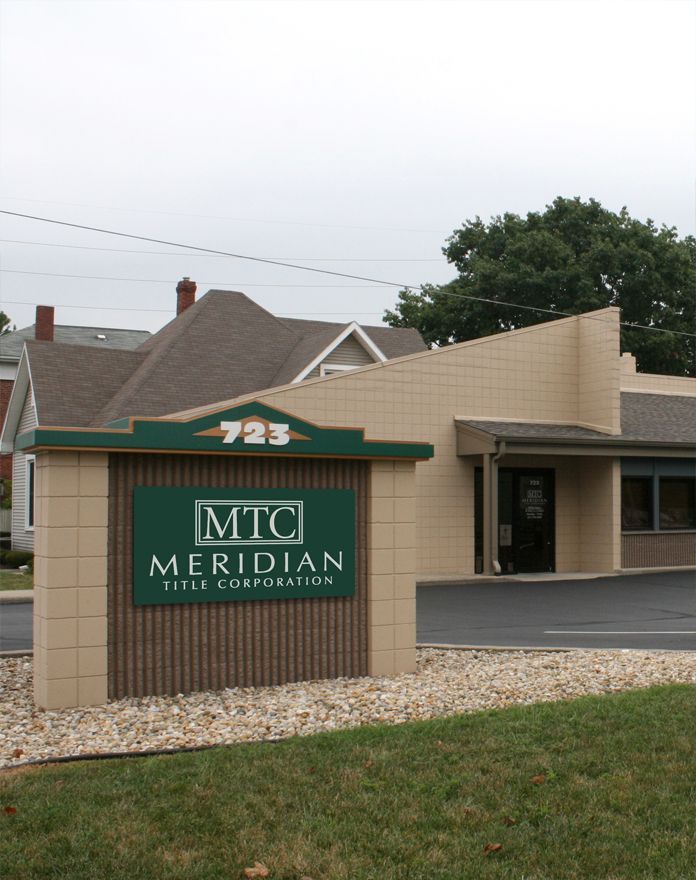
<point>328,369</point>
<point>655,479</point>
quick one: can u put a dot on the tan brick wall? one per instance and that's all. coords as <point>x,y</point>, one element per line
<point>599,368</point>
<point>600,514</point>
<point>658,384</point>
<point>526,374</point>
<point>70,579</point>
<point>391,568</point>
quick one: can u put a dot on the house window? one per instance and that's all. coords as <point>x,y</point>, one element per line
<point>29,490</point>
<point>677,507</point>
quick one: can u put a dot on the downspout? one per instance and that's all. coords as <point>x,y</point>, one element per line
<point>500,452</point>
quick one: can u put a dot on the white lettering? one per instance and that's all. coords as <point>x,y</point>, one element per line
<point>163,570</point>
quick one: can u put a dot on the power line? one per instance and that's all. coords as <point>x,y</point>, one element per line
<point>229,219</point>
<point>333,272</point>
<point>169,281</point>
<point>82,247</point>
<point>23,302</point>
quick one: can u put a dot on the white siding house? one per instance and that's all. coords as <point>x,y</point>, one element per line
<point>22,517</point>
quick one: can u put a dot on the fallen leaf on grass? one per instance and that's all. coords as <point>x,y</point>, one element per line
<point>10,810</point>
<point>492,847</point>
<point>538,780</point>
<point>508,820</point>
<point>368,764</point>
<point>259,870</point>
<point>17,753</point>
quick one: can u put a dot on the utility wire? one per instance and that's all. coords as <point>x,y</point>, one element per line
<point>24,302</point>
<point>333,272</point>
<point>82,247</point>
<point>169,281</point>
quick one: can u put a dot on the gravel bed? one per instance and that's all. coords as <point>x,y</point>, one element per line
<point>446,683</point>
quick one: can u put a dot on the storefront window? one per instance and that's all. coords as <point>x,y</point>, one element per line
<point>636,503</point>
<point>677,508</point>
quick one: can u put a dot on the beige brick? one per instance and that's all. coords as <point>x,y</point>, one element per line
<point>38,630</point>
<point>380,562</point>
<point>59,573</point>
<point>59,603</point>
<point>382,466</point>
<point>405,536</point>
<point>404,661</point>
<point>61,511</point>
<point>92,541</point>
<point>60,481</point>
<point>91,661</point>
<point>39,598</point>
<point>405,510</point>
<point>94,481</point>
<point>60,634</point>
<point>404,561</point>
<point>404,485</point>
<point>382,485</point>
<point>404,586</point>
<point>381,612</point>
<point>381,536</point>
<point>405,635</point>
<point>404,611</point>
<point>381,510</point>
<point>93,691</point>
<point>91,571</point>
<point>381,663</point>
<point>59,542</point>
<point>61,663</point>
<point>381,638</point>
<point>91,631</point>
<point>60,459</point>
<point>58,694</point>
<point>380,587</point>
<point>94,459</point>
<point>91,602</point>
<point>94,512</point>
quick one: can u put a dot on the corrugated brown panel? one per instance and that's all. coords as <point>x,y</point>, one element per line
<point>170,649</point>
<point>658,550</point>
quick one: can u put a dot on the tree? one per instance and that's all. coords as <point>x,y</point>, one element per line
<point>574,257</point>
<point>4,324</point>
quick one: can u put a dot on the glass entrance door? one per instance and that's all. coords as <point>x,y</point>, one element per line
<point>526,519</point>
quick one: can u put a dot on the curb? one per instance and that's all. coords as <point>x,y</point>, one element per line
<point>16,597</point>
<point>20,653</point>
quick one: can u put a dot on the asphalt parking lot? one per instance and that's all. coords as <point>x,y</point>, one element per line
<point>627,611</point>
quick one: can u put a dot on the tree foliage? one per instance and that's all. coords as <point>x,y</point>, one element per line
<point>4,323</point>
<point>574,257</point>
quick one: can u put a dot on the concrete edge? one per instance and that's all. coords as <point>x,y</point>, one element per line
<point>529,650</point>
<point>20,653</point>
<point>16,597</point>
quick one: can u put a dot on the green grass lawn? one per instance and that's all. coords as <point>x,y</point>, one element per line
<point>11,579</point>
<point>613,797</point>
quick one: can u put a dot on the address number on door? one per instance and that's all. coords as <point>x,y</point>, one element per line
<point>256,433</point>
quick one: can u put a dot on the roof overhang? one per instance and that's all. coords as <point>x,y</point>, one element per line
<point>473,440</point>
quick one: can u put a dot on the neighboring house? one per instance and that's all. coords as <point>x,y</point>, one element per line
<point>223,345</point>
<point>11,347</point>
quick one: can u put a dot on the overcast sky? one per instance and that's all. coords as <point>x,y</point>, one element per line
<point>360,133</point>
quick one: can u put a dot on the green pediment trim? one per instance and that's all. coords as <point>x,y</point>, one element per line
<point>248,429</point>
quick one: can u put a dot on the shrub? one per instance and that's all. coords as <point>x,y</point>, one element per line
<point>15,558</point>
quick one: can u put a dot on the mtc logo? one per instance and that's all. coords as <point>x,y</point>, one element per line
<point>248,522</point>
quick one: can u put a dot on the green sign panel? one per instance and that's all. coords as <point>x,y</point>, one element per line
<point>212,545</point>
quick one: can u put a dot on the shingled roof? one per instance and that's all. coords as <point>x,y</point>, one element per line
<point>11,344</point>
<point>645,418</point>
<point>225,345</point>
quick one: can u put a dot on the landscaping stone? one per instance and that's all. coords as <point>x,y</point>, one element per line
<point>446,683</point>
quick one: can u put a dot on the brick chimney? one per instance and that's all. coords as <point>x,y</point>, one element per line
<point>185,295</point>
<point>43,327</point>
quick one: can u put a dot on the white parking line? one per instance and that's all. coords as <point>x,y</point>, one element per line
<point>631,632</point>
